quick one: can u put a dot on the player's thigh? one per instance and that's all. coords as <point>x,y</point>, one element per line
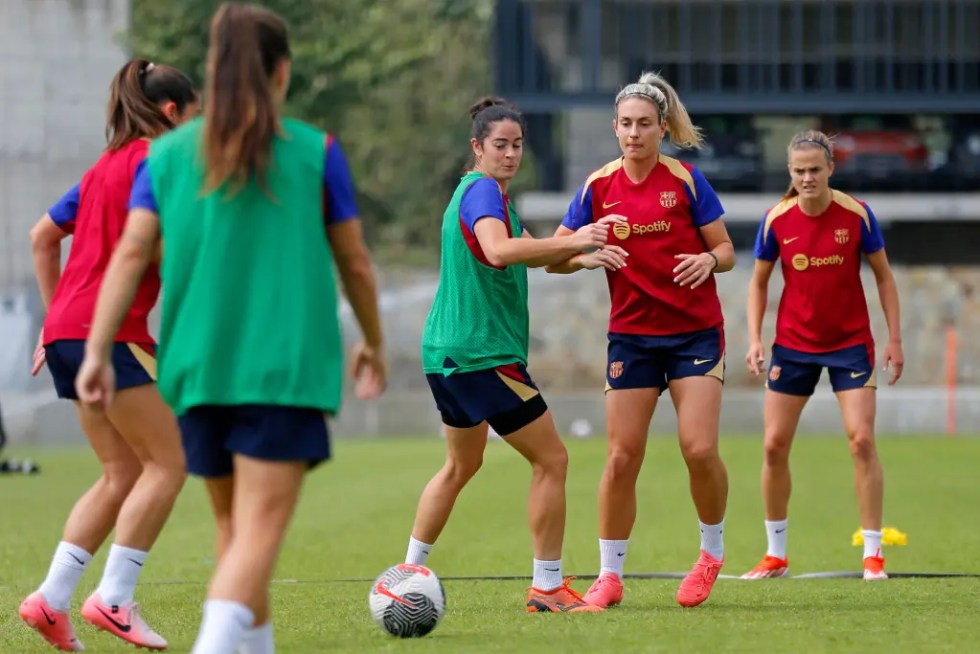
<point>858,407</point>
<point>265,495</point>
<point>465,447</point>
<point>539,443</point>
<point>148,425</point>
<point>112,450</point>
<point>697,401</point>
<point>628,415</point>
<point>781,416</point>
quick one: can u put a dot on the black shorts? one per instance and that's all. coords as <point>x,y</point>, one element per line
<point>135,365</point>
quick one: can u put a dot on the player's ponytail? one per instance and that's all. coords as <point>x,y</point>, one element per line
<point>651,86</point>
<point>135,97</point>
<point>809,139</point>
<point>241,116</point>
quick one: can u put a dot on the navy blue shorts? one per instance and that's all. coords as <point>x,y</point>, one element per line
<point>796,373</point>
<point>212,435</point>
<point>504,396</point>
<point>135,365</point>
<point>636,361</point>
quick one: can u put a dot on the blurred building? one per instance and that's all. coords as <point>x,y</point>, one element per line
<point>897,82</point>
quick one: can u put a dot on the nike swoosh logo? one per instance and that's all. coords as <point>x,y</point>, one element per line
<point>698,362</point>
<point>80,562</point>
<point>136,562</point>
<point>787,241</point>
<point>620,553</point>
<point>120,626</point>
<point>855,375</point>
<point>606,205</point>
<point>779,531</point>
<point>552,569</point>
<point>47,617</point>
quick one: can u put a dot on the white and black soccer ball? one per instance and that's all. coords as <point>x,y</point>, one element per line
<point>407,600</point>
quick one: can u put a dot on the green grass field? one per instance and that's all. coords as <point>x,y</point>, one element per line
<point>356,513</point>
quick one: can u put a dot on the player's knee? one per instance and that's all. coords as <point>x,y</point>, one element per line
<point>168,478</point>
<point>699,454</point>
<point>862,444</point>
<point>776,450</point>
<point>119,481</point>
<point>554,463</point>
<point>623,463</point>
<point>460,470</point>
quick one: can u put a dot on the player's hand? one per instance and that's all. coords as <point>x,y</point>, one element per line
<point>595,235</point>
<point>755,358</point>
<point>694,269</point>
<point>369,370</point>
<point>40,356</point>
<point>610,257</point>
<point>95,383</point>
<point>895,359</point>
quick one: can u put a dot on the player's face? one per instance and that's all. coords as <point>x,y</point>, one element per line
<point>638,128</point>
<point>810,171</point>
<point>499,155</point>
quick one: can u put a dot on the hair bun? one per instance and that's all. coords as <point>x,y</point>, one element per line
<point>485,102</point>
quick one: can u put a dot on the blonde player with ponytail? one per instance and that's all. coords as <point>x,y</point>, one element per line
<point>665,329</point>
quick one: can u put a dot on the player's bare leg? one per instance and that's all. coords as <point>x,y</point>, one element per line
<point>628,415</point>
<point>781,417</point>
<point>697,401</point>
<point>858,407</point>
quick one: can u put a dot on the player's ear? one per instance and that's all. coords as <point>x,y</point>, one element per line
<point>169,109</point>
<point>477,147</point>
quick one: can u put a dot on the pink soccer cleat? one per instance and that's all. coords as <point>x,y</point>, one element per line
<point>700,580</point>
<point>605,591</point>
<point>54,626</point>
<point>124,622</point>
<point>770,567</point>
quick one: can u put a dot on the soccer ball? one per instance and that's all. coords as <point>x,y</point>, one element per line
<point>407,600</point>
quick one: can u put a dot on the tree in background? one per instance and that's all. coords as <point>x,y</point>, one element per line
<point>393,78</point>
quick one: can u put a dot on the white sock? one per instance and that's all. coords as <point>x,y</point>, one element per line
<point>122,569</point>
<point>547,575</point>
<point>712,541</point>
<point>67,565</point>
<point>223,627</point>
<point>418,552</point>
<point>612,556</point>
<point>258,640</point>
<point>872,542</point>
<point>776,537</point>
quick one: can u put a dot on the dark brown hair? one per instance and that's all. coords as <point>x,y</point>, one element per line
<point>489,110</point>
<point>135,96</point>
<point>241,117</point>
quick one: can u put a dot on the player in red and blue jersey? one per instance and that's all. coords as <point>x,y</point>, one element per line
<point>137,441</point>
<point>819,235</point>
<point>665,328</point>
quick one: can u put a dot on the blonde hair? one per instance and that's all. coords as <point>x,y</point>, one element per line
<point>809,139</point>
<point>653,87</point>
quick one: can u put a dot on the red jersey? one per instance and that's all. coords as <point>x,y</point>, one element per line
<point>822,308</point>
<point>95,212</point>
<point>665,213</point>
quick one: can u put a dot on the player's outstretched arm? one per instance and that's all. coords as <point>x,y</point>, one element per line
<point>501,250</point>
<point>888,295</point>
<point>755,310</point>
<point>610,257</point>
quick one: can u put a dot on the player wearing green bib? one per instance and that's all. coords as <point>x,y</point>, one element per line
<point>474,351</point>
<point>254,211</point>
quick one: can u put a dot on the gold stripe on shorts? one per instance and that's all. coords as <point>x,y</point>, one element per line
<point>522,390</point>
<point>145,359</point>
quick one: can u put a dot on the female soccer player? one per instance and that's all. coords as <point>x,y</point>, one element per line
<point>137,439</point>
<point>255,209</point>
<point>474,351</point>
<point>818,234</point>
<point>665,328</point>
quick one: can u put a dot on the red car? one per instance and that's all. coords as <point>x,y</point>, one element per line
<point>877,152</point>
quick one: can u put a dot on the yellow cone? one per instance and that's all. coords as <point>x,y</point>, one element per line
<point>889,536</point>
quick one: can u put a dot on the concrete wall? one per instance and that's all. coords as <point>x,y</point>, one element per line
<point>56,60</point>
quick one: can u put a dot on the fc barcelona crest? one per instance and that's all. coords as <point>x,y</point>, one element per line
<point>774,373</point>
<point>842,236</point>
<point>668,199</point>
<point>615,369</point>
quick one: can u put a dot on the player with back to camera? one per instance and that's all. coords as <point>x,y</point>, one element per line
<point>818,235</point>
<point>254,211</point>
<point>475,346</point>
<point>136,440</point>
<point>665,328</point>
